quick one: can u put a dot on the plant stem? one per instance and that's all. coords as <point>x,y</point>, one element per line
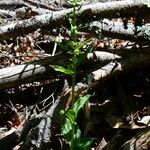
<point>73,100</point>
<point>73,77</point>
<point>73,87</point>
<point>72,142</point>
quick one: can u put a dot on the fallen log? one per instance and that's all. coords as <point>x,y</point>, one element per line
<point>117,30</point>
<point>6,13</point>
<point>29,72</point>
<point>58,19</point>
<point>25,73</point>
<point>137,60</point>
<point>33,71</point>
<point>9,4</point>
<point>43,5</point>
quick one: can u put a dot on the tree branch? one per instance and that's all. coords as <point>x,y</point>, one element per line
<point>58,19</point>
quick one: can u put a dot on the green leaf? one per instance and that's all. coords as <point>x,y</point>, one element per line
<point>72,43</point>
<point>72,1</point>
<point>66,130</point>
<point>79,103</point>
<point>63,47</point>
<point>83,144</point>
<point>70,114</point>
<point>77,134</point>
<point>83,43</point>
<point>62,69</point>
<point>76,12</point>
<point>82,56</point>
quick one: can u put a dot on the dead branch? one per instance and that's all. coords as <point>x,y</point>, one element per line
<point>134,61</point>
<point>11,4</point>
<point>43,5</point>
<point>57,19</point>
<point>117,30</point>
<point>19,74</point>
<point>6,13</point>
<point>25,73</point>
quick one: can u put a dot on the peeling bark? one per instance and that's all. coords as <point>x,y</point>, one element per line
<point>58,19</point>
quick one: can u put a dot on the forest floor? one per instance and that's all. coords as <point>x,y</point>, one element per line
<point>119,107</point>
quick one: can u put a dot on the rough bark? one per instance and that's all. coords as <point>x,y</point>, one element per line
<point>91,11</point>
<point>43,5</point>
<point>19,74</point>
<point>9,4</point>
<point>39,131</point>
<point>29,72</point>
<point>141,141</point>
<point>11,138</point>
<point>42,136</point>
<point>6,13</point>
<point>117,30</point>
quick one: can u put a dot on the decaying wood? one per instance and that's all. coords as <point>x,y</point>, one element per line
<point>106,70</point>
<point>136,60</point>
<point>6,13</point>
<point>43,5</point>
<point>115,142</point>
<point>58,19</point>
<point>43,135</point>
<point>19,74</point>
<point>101,56</point>
<point>141,141</point>
<point>117,30</point>
<point>9,4</point>
<point>25,73</point>
<point>10,139</point>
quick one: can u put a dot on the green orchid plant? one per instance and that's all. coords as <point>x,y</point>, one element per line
<point>77,51</point>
